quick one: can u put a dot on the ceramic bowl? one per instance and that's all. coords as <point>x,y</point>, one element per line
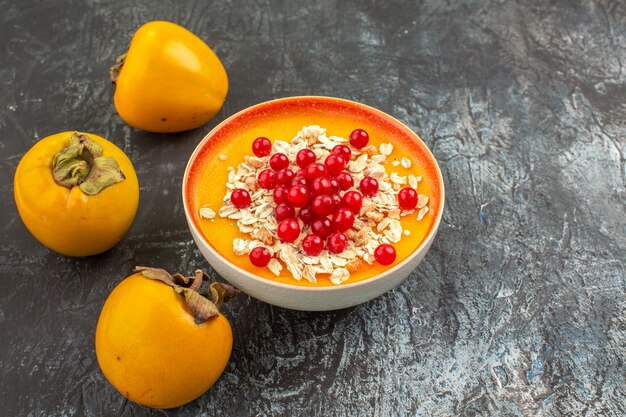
<point>295,296</point>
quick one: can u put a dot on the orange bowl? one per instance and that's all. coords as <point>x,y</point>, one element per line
<point>284,117</point>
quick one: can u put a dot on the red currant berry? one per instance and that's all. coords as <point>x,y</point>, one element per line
<point>297,180</point>
<point>321,185</point>
<point>284,176</point>
<point>315,170</point>
<point>267,179</point>
<point>260,256</point>
<point>261,147</point>
<point>343,219</point>
<point>334,186</point>
<point>353,201</point>
<point>359,138</point>
<point>336,201</point>
<point>322,227</point>
<point>298,196</point>
<point>307,215</point>
<point>313,245</point>
<point>240,198</point>
<point>337,242</point>
<point>344,151</point>
<point>322,205</point>
<point>305,157</point>
<point>284,211</point>
<point>407,198</point>
<point>288,230</point>
<point>334,164</point>
<point>279,161</point>
<point>385,254</point>
<point>368,186</point>
<point>280,194</point>
<point>345,180</point>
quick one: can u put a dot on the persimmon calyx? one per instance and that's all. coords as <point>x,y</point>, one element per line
<point>82,164</point>
<point>203,305</point>
<point>114,71</point>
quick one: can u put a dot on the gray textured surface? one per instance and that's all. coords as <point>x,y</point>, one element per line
<point>519,306</point>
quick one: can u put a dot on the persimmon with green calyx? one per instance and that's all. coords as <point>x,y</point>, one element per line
<point>77,193</point>
<point>161,340</point>
<point>169,80</point>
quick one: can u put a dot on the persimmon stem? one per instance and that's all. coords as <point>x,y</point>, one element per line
<point>114,71</point>
<point>199,303</point>
<point>82,164</point>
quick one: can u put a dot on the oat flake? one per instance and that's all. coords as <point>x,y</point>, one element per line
<point>378,222</point>
<point>207,213</point>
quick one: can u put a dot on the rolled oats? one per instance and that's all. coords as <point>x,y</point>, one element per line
<point>275,266</point>
<point>422,201</point>
<point>375,215</point>
<point>422,213</point>
<point>207,213</point>
<point>378,221</point>
<point>370,150</point>
<point>339,275</point>
<point>386,148</point>
<point>354,265</point>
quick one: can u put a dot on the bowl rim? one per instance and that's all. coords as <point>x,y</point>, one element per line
<point>265,281</point>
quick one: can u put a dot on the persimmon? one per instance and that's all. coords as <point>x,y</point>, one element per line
<point>77,193</point>
<point>169,80</point>
<point>160,341</point>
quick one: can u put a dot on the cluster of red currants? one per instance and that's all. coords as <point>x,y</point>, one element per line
<point>321,194</point>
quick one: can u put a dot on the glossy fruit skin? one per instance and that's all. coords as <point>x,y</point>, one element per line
<point>322,227</point>
<point>313,245</point>
<point>344,151</point>
<point>359,138</point>
<point>284,176</point>
<point>344,180</point>
<point>334,164</point>
<point>240,198</point>
<point>152,351</point>
<point>307,215</point>
<point>280,194</point>
<point>337,242</point>
<point>284,211</point>
<point>260,256</point>
<point>298,196</point>
<point>352,200</point>
<point>407,198</point>
<point>297,180</point>
<point>343,219</point>
<point>171,80</point>
<point>288,230</point>
<point>279,161</point>
<point>385,254</point>
<point>67,220</point>
<point>368,186</point>
<point>305,157</point>
<point>322,205</point>
<point>261,146</point>
<point>267,179</point>
<point>321,185</point>
<point>315,170</point>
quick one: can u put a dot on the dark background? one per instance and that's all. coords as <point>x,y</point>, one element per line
<point>517,309</point>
